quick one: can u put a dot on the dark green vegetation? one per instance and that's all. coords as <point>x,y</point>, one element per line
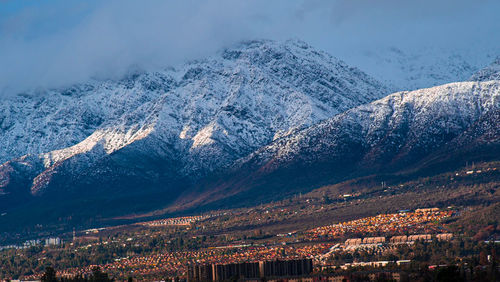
<point>96,276</point>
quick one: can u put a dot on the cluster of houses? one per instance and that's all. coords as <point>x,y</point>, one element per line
<point>397,239</point>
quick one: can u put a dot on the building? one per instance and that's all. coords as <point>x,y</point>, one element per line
<point>53,241</point>
<point>425,237</point>
<point>249,270</point>
<point>354,242</point>
<point>374,240</point>
<point>427,210</point>
<point>200,273</point>
<point>399,239</point>
<point>444,236</point>
<point>285,267</point>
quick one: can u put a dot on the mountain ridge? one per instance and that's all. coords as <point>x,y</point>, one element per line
<point>179,125</point>
<point>396,132</point>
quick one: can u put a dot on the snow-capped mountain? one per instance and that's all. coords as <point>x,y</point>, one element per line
<point>415,68</point>
<point>261,118</point>
<point>397,132</point>
<point>174,123</point>
<point>400,127</point>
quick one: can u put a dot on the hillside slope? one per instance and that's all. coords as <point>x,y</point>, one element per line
<point>161,131</point>
<point>431,128</point>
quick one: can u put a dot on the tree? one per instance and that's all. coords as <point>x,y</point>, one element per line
<point>449,273</point>
<point>483,258</point>
<point>326,199</point>
<point>49,275</point>
<point>99,276</point>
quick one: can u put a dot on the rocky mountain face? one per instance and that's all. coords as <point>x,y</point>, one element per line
<point>405,130</point>
<point>169,128</point>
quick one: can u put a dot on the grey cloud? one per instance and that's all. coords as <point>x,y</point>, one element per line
<point>68,42</point>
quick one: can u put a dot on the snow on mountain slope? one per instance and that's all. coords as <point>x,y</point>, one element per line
<point>491,72</point>
<point>204,115</point>
<point>390,134</point>
<point>399,126</point>
<point>35,123</point>
<point>412,68</point>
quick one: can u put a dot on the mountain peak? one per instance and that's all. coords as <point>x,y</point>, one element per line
<point>185,122</point>
<point>270,52</point>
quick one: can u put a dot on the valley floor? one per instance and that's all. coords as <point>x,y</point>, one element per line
<point>398,223</point>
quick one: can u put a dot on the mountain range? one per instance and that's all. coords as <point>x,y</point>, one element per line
<point>419,67</point>
<point>258,121</point>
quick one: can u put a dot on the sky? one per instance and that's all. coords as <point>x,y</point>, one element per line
<point>51,44</point>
